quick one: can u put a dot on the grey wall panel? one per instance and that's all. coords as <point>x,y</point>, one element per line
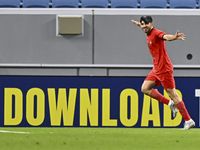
<point>187,72</point>
<point>129,72</point>
<point>39,71</point>
<point>32,39</point>
<point>118,41</point>
<point>92,72</point>
<point>178,49</point>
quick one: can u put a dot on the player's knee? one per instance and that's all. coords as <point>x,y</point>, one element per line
<point>144,90</point>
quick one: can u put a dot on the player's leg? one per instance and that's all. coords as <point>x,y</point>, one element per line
<point>148,90</point>
<point>169,85</point>
<point>156,95</point>
<point>147,87</point>
<point>189,123</point>
<point>150,81</point>
<point>173,95</point>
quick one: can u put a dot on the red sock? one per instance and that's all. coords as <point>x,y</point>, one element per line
<point>183,111</point>
<point>156,95</point>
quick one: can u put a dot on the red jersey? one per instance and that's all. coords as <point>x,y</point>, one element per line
<point>157,48</point>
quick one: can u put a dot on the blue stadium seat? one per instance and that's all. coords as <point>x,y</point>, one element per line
<point>183,4</point>
<point>36,3</point>
<point>153,4</point>
<point>65,3</point>
<point>9,3</point>
<point>94,3</point>
<point>124,3</point>
<point>168,1</point>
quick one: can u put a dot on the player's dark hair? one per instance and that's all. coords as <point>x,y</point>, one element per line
<point>146,19</point>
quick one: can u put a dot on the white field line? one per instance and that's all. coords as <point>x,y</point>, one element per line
<point>4,131</point>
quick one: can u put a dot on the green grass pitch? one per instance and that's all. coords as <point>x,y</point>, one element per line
<point>71,138</point>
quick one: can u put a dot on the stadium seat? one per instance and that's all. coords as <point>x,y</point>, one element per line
<point>153,4</point>
<point>65,3</point>
<point>168,1</point>
<point>124,3</point>
<point>9,3</point>
<point>183,4</point>
<point>94,3</point>
<point>36,3</point>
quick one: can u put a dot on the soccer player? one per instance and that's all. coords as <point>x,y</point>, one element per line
<point>162,71</point>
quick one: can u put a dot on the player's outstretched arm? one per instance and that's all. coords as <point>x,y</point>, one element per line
<point>136,23</point>
<point>176,36</point>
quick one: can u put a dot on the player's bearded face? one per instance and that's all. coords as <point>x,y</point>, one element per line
<point>146,27</point>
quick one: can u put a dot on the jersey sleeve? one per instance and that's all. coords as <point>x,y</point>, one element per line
<point>160,34</point>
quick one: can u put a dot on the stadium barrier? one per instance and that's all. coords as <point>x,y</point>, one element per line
<point>45,101</point>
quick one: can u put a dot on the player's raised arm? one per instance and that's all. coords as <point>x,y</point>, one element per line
<point>136,23</point>
<point>177,36</point>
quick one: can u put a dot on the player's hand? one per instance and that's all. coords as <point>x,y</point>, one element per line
<point>136,23</point>
<point>180,36</point>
